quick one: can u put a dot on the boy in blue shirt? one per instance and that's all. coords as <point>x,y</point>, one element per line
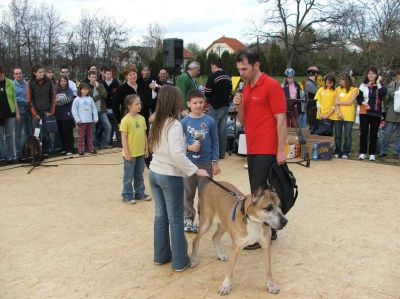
<point>201,136</point>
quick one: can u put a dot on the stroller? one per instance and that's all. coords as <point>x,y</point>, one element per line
<point>233,129</point>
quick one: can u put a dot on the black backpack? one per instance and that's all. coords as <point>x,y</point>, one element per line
<point>283,182</point>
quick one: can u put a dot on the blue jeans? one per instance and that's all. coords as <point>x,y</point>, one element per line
<point>7,140</point>
<point>168,197</point>
<point>23,129</point>
<point>102,130</point>
<point>339,126</point>
<point>220,116</point>
<point>133,171</point>
<point>303,120</point>
<point>389,128</point>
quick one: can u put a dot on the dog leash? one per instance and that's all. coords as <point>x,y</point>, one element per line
<point>239,198</point>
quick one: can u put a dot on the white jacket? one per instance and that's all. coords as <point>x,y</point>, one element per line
<point>169,158</point>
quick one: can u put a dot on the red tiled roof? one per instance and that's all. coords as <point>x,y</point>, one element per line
<point>187,54</point>
<point>235,44</point>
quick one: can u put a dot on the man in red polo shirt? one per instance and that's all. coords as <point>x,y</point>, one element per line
<point>262,110</point>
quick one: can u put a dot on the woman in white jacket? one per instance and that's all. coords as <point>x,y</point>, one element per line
<point>167,169</point>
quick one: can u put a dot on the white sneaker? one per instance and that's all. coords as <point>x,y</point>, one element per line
<point>372,157</point>
<point>336,155</point>
<point>362,157</point>
<point>345,157</point>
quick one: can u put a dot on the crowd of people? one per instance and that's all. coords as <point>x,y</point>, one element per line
<point>180,132</point>
<point>331,110</point>
<point>57,106</point>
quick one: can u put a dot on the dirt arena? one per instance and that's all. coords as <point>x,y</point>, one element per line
<point>66,234</point>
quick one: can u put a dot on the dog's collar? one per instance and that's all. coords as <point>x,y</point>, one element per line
<point>256,221</point>
<point>243,212</point>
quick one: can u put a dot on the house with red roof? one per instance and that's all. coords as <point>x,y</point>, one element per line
<point>187,56</point>
<point>219,46</point>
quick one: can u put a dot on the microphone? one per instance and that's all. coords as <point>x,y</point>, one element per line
<point>240,87</point>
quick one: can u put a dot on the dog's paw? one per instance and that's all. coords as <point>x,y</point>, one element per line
<point>223,257</point>
<point>225,288</point>
<point>272,288</point>
<point>193,262</point>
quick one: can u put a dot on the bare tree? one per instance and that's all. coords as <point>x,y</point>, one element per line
<point>153,38</point>
<point>52,28</point>
<point>295,18</point>
<point>112,35</point>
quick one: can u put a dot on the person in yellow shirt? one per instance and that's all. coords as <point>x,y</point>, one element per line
<point>345,107</point>
<point>326,97</point>
<point>134,150</point>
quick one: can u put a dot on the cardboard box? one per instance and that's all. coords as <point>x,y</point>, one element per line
<point>324,142</point>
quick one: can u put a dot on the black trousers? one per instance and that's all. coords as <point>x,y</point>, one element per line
<point>259,168</point>
<point>66,131</point>
<point>369,125</point>
<point>312,116</point>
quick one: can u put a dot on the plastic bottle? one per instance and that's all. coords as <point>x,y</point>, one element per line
<point>315,151</point>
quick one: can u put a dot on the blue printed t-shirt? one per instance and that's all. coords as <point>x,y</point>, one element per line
<point>209,146</point>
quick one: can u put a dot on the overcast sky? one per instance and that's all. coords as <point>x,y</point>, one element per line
<point>200,21</point>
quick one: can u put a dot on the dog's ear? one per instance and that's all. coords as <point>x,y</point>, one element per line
<point>256,196</point>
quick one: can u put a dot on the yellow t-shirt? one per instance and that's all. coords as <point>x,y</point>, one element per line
<point>349,112</point>
<point>135,126</point>
<point>326,99</point>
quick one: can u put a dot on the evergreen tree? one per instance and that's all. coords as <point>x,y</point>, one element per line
<point>276,61</point>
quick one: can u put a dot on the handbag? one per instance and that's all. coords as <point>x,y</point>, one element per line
<point>50,124</point>
<point>325,127</point>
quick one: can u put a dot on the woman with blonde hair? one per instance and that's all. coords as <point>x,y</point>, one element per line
<point>345,108</point>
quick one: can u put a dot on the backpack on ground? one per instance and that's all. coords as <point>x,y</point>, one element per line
<point>283,182</point>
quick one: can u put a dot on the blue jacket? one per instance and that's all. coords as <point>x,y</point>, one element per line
<point>209,145</point>
<point>84,110</point>
<point>20,92</point>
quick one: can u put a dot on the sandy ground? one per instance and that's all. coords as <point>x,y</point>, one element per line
<point>66,234</point>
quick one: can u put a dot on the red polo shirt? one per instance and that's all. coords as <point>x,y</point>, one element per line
<point>261,102</point>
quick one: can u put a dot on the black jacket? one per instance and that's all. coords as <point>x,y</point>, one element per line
<point>119,99</point>
<point>218,89</point>
<point>375,99</point>
<point>146,92</point>
<point>111,89</point>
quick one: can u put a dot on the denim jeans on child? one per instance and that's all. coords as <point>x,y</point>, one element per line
<point>133,172</point>
<point>168,197</point>
<point>7,140</point>
<point>339,125</point>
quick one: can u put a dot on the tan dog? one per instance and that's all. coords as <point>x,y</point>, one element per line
<point>248,227</point>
